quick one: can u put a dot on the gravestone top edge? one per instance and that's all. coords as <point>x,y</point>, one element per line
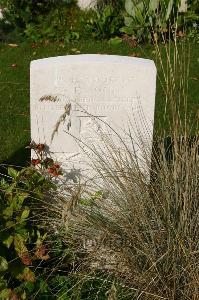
<point>92,58</point>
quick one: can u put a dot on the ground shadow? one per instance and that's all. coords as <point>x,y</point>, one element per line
<point>20,158</point>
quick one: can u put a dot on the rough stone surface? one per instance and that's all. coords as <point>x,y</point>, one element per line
<point>89,92</point>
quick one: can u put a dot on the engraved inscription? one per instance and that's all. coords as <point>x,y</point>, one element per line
<point>101,90</point>
<point>115,104</point>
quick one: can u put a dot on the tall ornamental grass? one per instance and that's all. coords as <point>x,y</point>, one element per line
<point>137,219</point>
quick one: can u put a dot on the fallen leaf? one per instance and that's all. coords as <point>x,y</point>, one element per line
<point>13,45</point>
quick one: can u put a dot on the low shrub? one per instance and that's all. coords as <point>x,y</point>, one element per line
<point>29,256</point>
<point>21,13</point>
<point>191,21</point>
<point>35,262</point>
<point>40,20</point>
<point>149,20</point>
<point>56,25</point>
<point>21,244</point>
<point>105,22</point>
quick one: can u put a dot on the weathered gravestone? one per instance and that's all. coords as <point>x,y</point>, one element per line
<point>86,4</point>
<point>110,88</point>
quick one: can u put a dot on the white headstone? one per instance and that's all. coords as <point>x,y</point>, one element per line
<point>183,6</point>
<point>86,4</point>
<point>1,14</point>
<point>111,88</point>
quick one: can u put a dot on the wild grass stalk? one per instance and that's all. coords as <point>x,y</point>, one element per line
<point>145,232</point>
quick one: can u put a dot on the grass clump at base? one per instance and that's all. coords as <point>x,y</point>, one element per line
<point>136,221</point>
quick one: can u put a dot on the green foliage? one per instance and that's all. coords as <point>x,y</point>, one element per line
<point>21,12</point>
<point>39,20</point>
<point>105,23</point>
<point>22,243</point>
<point>117,4</point>
<point>54,26</point>
<point>191,20</point>
<point>32,263</point>
<point>151,19</point>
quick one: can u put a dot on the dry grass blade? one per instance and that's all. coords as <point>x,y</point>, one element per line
<point>49,98</point>
<point>62,119</point>
<point>144,233</point>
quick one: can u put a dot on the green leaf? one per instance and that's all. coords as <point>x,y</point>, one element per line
<point>25,214</point>
<point>19,244</point>
<point>27,275</point>
<point>43,286</point>
<point>8,241</point>
<point>128,21</point>
<point>10,224</point>
<point>85,202</point>
<point>98,194</point>
<point>140,17</point>
<point>23,296</point>
<point>127,30</point>
<point>4,294</point>
<point>3,284</point>
<point>22,231</point>
<point>129,6</point>
<point>4,185</point>
<point>3,264</point>
<point>21,197</point>
<point>12,172</point>
<point>115,41</point>
<point>8,212</point>
<point>30,286</point>
<point>153,5</point>
<point>107,11</point>
<point>140,7</point>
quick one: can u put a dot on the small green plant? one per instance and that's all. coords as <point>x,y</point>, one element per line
<point>53,26</point>
<point>21,13</point>
<point>191,21</point>
<point>105,23</point>
<point>148,20</point>
<point>40,20</point>
<point>22,243</point>
<point>116,4</point>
